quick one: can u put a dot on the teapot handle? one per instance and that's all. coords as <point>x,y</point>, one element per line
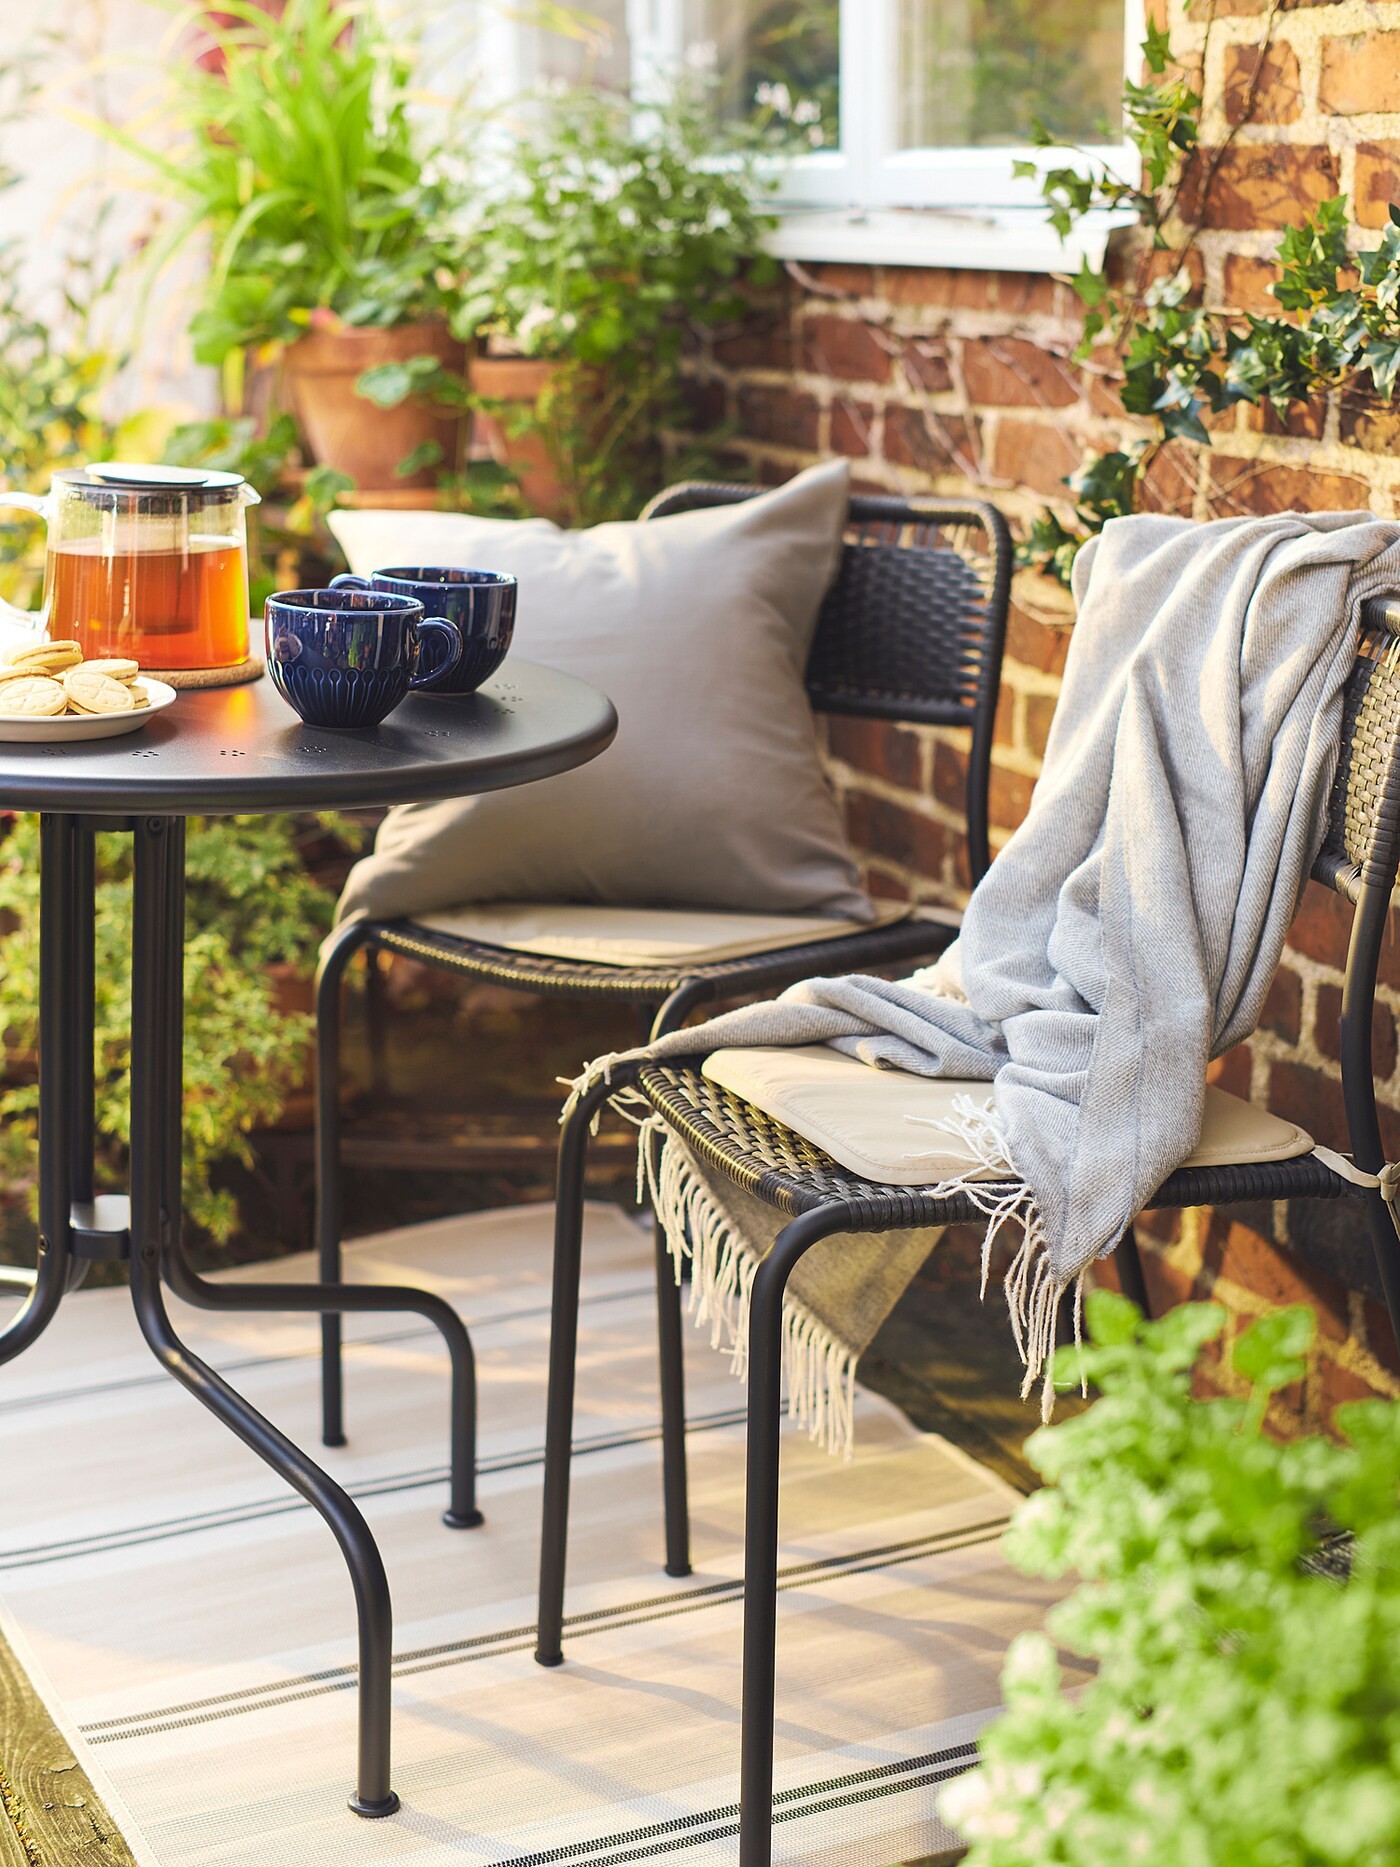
<point>29,622</point>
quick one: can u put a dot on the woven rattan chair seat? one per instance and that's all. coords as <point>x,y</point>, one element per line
<point>534,972</point>
<point>792,1175</point>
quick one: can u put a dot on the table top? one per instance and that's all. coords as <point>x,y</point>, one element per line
<point>225,750</point>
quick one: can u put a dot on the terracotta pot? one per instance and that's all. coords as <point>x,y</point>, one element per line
<point>344,430</point>
<point>519,381</point>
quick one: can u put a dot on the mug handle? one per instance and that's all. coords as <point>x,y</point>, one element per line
<point>347,580</point>
<point>32,622</point>
<point>443,630</point>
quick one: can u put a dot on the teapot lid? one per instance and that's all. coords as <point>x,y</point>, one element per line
<point>164,487</point>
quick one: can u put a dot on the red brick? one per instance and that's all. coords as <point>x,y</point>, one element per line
<point>949,775</point>
<point>1168,482</point>
<point>1035,644</point>
<point>851,425</point>
<point>1380,1335</point>
<point>850,281</point>
<point>1312,1100</point>
<point>782,416</point>
<point>1010,797</point>
<point>1233,1072</point>
<point>1328,1027</point>
<point>1263,487</point>
<point>1038,454</point>
<point>844,347</point>
<point>885,751</point>
<point>932,443</point>
<point>1008,372</point>
<point>1360,73</point>
<point>926,366</point>
<point>1004,723</point>
<point>1261,84</point>
<point>960,290</point>
<point>1322,926</point>
<point>1332,1386</point>
<point>881,886</point>
<point>1240,1256</point>
<point>1040,714</point>
<point>894,833</point>
<point>1259,185</point>
<point>765,343</point>
<point>1304,421</point>
<point>1248,284</point>
<point>1369,423</point>
<point>1283,1008</point>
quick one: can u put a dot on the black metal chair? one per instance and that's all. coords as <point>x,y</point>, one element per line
<point>912,631</point>
<point>818,1198</point>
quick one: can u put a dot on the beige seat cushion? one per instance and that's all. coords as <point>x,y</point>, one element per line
<point>650,936</point>
<point>874,1121</point>
<point>698,627</point>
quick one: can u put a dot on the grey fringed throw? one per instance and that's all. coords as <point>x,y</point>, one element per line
<point>1128,931</point>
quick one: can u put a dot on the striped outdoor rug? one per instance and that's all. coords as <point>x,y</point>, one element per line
<point>190,1621</point>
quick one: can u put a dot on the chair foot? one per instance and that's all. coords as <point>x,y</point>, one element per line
<point>463,1520</point>
<point>678,1570</point>
<point>339,1440</point>
<point>375,1811</point>
<point>548,1659</point>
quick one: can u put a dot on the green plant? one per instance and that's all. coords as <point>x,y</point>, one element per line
<point>252,912</point>
<point>323,195</point>
<point>1179,360</point>
<point>1245,1710</point>
<point>619,232</point>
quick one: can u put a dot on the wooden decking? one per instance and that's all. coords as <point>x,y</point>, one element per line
<point>51,1815</point>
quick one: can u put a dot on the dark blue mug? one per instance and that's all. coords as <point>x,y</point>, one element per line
<point>348,657</point>
<point>479,603</point>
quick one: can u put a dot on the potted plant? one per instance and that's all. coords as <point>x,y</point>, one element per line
<point>1240,1600</point>
<point>618,230</point>
<point>329,212</point>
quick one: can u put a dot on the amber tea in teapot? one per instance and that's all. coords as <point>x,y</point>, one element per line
<point>147,564</point>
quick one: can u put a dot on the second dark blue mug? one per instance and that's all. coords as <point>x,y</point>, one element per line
<point>347,657</point>
<point>479,603</point>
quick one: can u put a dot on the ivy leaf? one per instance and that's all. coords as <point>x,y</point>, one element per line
<point>426,454</point>
<point>1382,359</point>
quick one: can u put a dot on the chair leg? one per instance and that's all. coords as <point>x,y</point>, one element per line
<point>330,975</point>
<point>761,1528</point>
<point>377,1020</point>
<point>675,1490</point>
<point>1132,1280</point>
<point>563,1353</point>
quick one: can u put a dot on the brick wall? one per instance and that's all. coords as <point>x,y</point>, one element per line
<point>943,381</point>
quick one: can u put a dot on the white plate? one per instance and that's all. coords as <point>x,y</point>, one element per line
<point>69,728</point>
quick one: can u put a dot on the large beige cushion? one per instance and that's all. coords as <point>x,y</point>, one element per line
<point>875,1122</point>
<point>651,936</point>
<point>698,628</point>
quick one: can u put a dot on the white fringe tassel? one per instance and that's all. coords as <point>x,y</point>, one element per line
<point>1033,1292</point>
<point>820,1371</point>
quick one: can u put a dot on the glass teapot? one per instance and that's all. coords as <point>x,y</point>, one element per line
<point>146,563</point>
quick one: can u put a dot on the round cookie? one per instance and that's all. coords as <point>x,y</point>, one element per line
<point>35,695</point>
<point>115,670</point>
<point>46,657</point>
<point>96,693</point>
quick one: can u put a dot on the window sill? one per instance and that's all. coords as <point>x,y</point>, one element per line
<point>990,239</point>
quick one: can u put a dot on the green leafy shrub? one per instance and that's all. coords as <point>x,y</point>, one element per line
<point>301,159</point>
<point>1246,1707</point>
<point>253,915</point>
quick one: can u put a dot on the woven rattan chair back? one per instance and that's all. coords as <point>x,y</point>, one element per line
<point>1362,845</point>
<point>913,626</point>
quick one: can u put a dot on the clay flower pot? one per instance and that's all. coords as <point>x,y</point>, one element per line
<point>348,432</point>
<point>517,383</point>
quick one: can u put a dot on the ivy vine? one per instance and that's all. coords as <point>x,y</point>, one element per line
<point>1178,358</point>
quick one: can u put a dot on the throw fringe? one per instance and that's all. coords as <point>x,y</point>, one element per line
<point>819,1369</point>
<point>1033,1292</point>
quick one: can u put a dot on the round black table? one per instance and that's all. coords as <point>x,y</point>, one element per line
<point>219,752</point>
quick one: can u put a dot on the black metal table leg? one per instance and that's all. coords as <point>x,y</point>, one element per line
<point>157,1012</point>
<point>56,1019</point>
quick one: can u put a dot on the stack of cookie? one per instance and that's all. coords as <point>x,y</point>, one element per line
<point>43,679</point>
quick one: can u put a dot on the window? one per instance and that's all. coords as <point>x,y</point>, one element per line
<point>886,104</point>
